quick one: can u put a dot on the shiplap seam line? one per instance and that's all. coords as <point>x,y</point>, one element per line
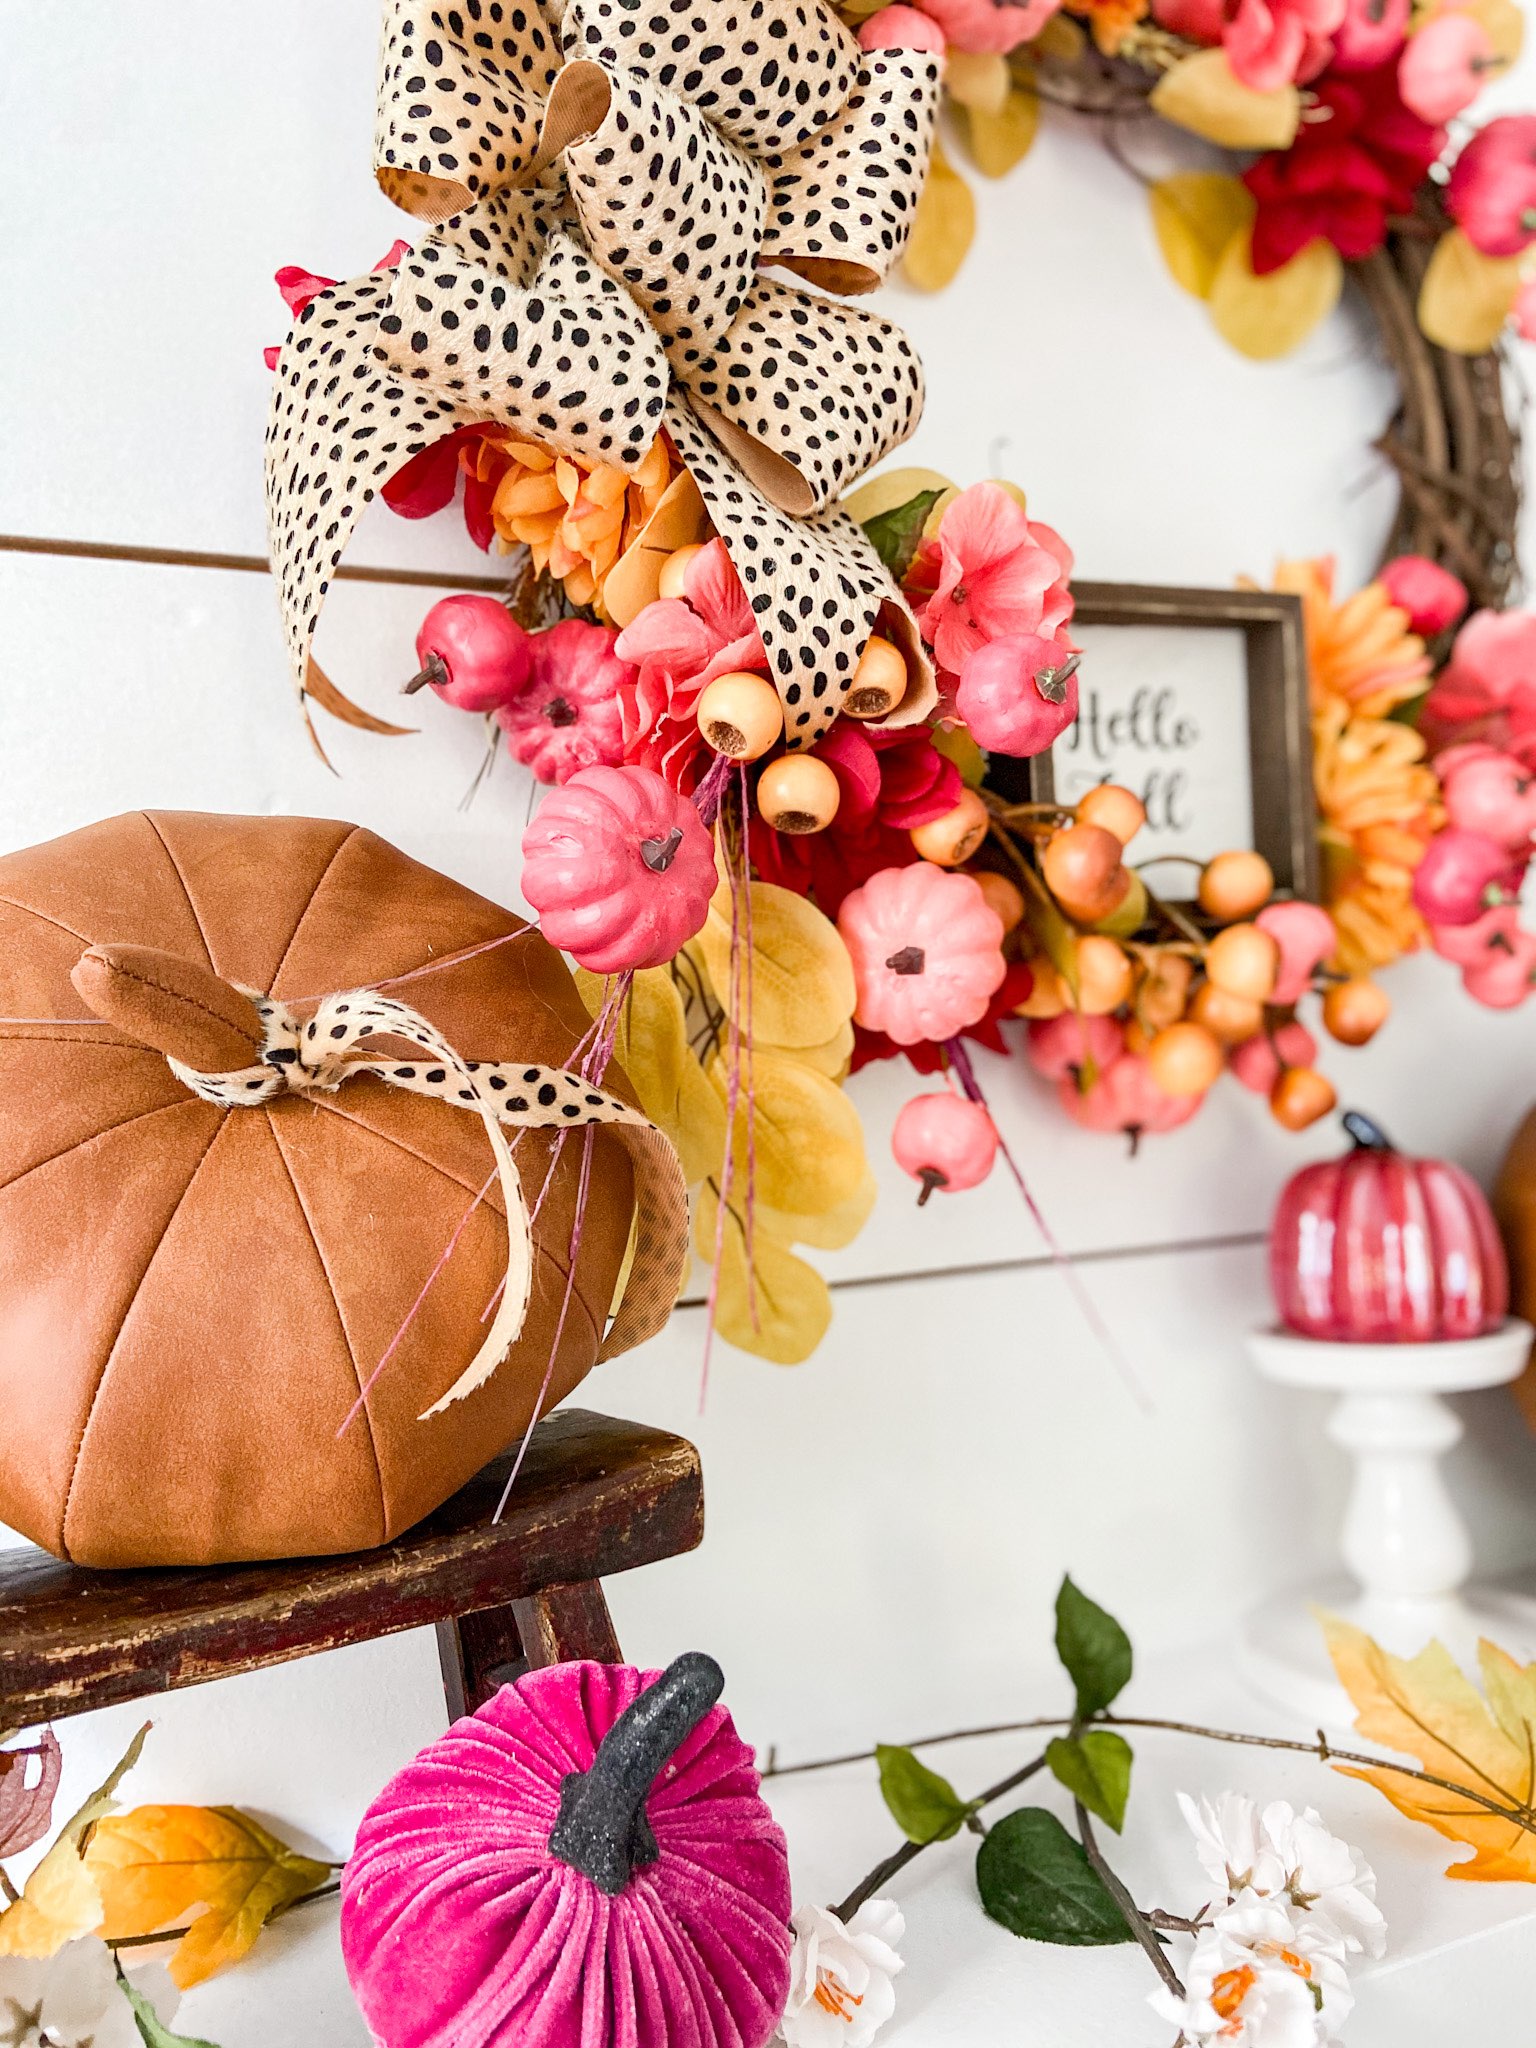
<point>192,558</point>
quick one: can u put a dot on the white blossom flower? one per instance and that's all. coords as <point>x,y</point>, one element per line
<point>73,1999</point>
<point>1283,1854</point>
<point>1257,1979</point>
<point>841,1990</point>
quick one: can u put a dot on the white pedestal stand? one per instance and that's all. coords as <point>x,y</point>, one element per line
<point>1403,1539</point>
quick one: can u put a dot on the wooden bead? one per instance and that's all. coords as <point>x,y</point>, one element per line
<point>740,715</point>
<point>879,682</point>
<point>949,840</point>
<point>798,793</point>
<point>675,568</point>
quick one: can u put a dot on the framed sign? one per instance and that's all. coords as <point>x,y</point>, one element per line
<point>1197,701</point>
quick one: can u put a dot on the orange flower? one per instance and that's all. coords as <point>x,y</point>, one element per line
<point>1112,21</point>
<point>1361,649</point>
<point>576,521</point>
<point>1378,802</point>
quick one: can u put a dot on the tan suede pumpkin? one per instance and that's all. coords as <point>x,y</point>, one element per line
<point>191,1296</point>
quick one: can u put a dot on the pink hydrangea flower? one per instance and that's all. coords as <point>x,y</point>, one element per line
<point>1273,43</point>
<point>991,571</point>
<point>990,25</point>
<point>675,646</point>
<point>1487,690</point>
<point>566,716</point>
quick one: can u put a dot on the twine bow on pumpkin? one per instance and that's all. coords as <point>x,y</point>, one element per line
<point>593,278</point>
<point>156,997</point>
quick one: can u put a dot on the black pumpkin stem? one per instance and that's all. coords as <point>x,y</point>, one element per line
<point>602,1829</point>
<point>1368,1137</point>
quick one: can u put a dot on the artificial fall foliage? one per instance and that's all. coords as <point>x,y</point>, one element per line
<point>61,1899</point>
<point>1426,1707</point>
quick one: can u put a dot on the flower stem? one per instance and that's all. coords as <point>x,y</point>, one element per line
<point>868,1885</point>
<point>1135,1919</point>
<point>326,1891</point>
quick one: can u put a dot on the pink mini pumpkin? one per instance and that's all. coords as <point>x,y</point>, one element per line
<point>566,716</point>
<point>619,868</point>
<point>945,1142</point>
<point>1127,1099</point>
<point>927,952</point>
<point>584,1863</point>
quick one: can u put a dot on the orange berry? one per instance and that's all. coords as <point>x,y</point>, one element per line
<point>1138,1038</point>
<point>1300,1097</point>
<point>1164,993</point>
<point>675,568</point>
<point>798,793</point>
<point>1354,1011</point>
<point>879,682</point>
<point>1083,871</point>
<point>1117,810</point>
<point>949,840</point>
<point>1048,997</point>
<point>1185,1059</point>
<point>1226,1016</point>
<point>1104,976</point>
<point>1003,896</point>
<point>1244,961</point>
<point>740,715</point>
<point>1236,885</point>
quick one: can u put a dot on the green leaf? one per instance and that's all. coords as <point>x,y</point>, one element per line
<point>152,2029</point>
<point>1036,1881</point>
<point>1095,1767</point>
<point>894,535</point>
<point>1094,1648</point>
<point>926,1807</point>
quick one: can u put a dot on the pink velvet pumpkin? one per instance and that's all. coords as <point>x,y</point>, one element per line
<point>1375,1248</point>
<point>584,1863</point>
<point>927,952</point>
<point>619,868</point>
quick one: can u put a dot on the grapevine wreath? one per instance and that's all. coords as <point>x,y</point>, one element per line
<point>766,693</point>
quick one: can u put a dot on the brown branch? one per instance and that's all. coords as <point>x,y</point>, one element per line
<point>868,1885</point>
<point>1135,1919</point>
<point>326,1891</point>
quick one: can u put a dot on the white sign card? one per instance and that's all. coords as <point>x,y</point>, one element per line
<point>1163,710</point>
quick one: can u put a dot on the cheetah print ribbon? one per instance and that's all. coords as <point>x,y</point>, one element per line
<point>601,203</point>
<point>316,1055</point>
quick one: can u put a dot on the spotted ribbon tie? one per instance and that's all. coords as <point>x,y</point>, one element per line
<point>603,201</point>
<point>318,1053</point>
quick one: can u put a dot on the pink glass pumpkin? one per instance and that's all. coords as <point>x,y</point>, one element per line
<point>927,952</point>
<point>944,1142</point>
<point>567,715</point>
<point>584,1863</point>
<point>619,868</point>
<point>1125,1098</point>
<point>1375,1248</point>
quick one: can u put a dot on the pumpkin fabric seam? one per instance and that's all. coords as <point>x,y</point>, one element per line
<point>79,1144</point>
<point>324,876</point>
<point>341,1322</point>
<point>42,916</point>
<point>149,819</point>
<point>106,1365</point>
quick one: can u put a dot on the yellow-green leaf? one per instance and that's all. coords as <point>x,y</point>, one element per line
<point>944,228</point>
<point>652,1048</point>
<point>1264,317</point>
<point>789,1309</point>
<point>1195,214</point>
<point>801,984</point>
<point>977,78</point>
<point>158,1866</point>
<point>956,744</point>
<point>807,1139</point>
<point>61,1899</point>
<point>893,488</point>
<point>833,1228</point>
<point>1003,136</point>
<point>832,1057</point>
<point>1466,296</point>
<point>1204,95</point>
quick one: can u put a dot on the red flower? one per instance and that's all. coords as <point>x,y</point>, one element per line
<point>428,481</point>
<point>928,1058</point>
<point>1360,160</point>
<point>889,782</point>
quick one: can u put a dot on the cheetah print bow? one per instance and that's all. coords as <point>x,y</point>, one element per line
<point>318,1054</point>
<point>602,205</point>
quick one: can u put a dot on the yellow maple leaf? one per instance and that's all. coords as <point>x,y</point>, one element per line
<point>1003,136</point>
<point>61,1899</point>
<point>160,1865</point>
<point>1426,1707</point>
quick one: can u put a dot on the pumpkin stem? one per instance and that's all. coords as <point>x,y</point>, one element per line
<point>602,1830</point>
<point>931,1178</point>
<point>908,961</point>
<point>659,854</point>
<point>1367,1137</point>
<point>433,670</point>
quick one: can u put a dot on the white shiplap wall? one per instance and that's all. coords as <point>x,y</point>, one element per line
<point>887,1524</point>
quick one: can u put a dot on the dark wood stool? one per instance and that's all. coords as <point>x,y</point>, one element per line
<point>594,1496</point>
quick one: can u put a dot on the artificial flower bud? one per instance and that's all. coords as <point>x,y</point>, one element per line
<point>1491,194</point>
<point>879,682</point>
<point>1432,597</point>
<point>797,793</point>
<point>953,838</point>
<point>740,715</point>
<point>1445,66</point>
<point>674,570</point>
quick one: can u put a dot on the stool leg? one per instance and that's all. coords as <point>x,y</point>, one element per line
<point>479,1653</point>
<point>566,1622</point>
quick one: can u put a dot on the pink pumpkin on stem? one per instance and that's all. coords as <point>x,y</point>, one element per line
<point>945,1142</point>
<point>586,1862</point>
<point>1306,935</point>
<point>1125,1098</point>
<point>1259,1061</point>
<point>619,868</point>
<point>1489,792</point>
<point>1070,1043</point>
<point>1461,875</point>
<point>472,652</point>
<point>567,715</point>
<point>927,952</point>
<point>1505,975</point>
<point>1018,694</point>
<point>1370,33</point>
<point>1468,945</point>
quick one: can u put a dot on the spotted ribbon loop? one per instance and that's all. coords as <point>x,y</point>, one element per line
<point>320,1052</point>
<point>602,200</point>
